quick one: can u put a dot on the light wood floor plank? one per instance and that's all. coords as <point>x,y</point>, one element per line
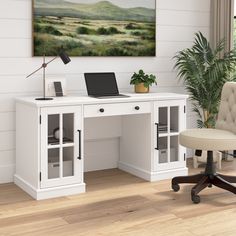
<point>119,204</point>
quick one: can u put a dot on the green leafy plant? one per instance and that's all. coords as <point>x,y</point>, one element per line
<point>204,72</point>
<point>141,77</point>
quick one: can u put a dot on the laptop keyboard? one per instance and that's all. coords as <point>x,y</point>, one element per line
<point>117,96</point>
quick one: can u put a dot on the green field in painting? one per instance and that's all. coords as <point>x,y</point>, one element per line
<point>93,29</point>
<point>234,34</point>
<point>93,37</point>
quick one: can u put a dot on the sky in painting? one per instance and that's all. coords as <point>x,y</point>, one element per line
<point>123,3</point>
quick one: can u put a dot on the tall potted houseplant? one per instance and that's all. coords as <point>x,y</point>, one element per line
<point>204,72</point>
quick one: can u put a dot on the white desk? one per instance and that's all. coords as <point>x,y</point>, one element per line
<point>145,125</point>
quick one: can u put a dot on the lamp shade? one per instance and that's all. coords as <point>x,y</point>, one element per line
<point>64,57</point>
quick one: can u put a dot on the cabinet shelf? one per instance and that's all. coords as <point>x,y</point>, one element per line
<point>63,145</point>
<point>53,141</point>
<point>168,134</point>
<point>68,145</point>
<point>54,146</point>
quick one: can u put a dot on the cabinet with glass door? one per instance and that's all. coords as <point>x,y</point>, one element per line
<point>61,146</point>
<point>170,119</point>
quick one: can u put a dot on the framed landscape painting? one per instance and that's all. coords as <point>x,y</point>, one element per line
<point>94,27</point>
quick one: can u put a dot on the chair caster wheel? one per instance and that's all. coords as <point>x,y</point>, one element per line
<point>210,186</point>
<point>175,187</point>
<point>196,199</point>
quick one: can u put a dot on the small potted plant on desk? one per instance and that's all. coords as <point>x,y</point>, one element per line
<point>142,81</point>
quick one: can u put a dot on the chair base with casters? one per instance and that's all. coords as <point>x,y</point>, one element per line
<point>206,179</point>
<point>223,137</point>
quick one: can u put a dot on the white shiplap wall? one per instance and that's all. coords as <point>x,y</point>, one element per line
<point>177,21</point>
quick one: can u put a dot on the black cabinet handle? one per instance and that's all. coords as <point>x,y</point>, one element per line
<point>101,110</point>
<point>137,108</point>
<point>79,157</point>
<point>157,125</point>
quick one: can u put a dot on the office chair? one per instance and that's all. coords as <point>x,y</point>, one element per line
<point>223,137</point>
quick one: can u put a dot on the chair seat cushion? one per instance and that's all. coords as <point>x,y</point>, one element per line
<point>208,139</point>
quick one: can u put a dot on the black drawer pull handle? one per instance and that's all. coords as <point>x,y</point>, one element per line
<point>101,110</point>
<point>137,108</point>
<point>157,125</point>
<point>79,157</point>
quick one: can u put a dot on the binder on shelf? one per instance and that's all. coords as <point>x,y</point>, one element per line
<point>162,127</point>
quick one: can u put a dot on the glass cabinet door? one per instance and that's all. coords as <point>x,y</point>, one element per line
<point>168,153</point>
<point>61,146</point>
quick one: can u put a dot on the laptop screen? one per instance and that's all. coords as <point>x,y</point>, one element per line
<point>101,84</point>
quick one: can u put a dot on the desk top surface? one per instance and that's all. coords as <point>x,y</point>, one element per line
<point>85,100</point>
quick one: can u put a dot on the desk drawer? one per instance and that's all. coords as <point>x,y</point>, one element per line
<point>117,109</point>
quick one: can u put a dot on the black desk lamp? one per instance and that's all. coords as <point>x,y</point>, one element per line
<point>64,57</point>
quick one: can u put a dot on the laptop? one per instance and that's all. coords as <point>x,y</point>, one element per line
<point>102,85</point>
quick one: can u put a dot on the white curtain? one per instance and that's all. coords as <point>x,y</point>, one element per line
<point>222,23</point>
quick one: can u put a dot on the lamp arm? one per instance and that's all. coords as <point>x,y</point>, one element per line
<point>51,61</point>
<point>43,66</point>
<point>34,71</point>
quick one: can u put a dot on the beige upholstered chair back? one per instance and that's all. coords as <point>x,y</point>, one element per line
<point>227,111</point>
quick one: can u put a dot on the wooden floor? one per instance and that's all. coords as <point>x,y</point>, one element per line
<point>117,203</point>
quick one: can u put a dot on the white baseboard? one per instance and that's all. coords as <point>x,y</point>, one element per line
<point>152,176</point>
<point>143,174</point>
<point>25,186</point>
<point>168,174</point>
<point>47,193</point>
